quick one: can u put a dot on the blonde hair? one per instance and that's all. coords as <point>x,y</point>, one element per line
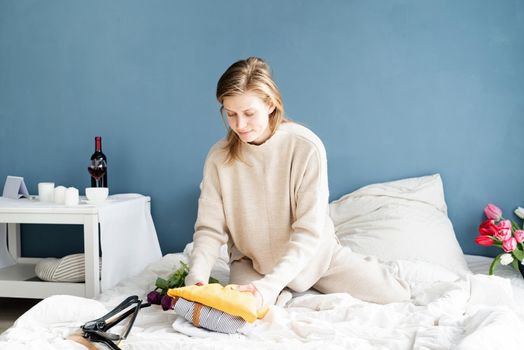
<point>250,75</point>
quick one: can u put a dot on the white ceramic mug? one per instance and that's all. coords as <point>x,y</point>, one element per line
<point>71,196</point>
<point>46,191</point>
<point>59,195</point>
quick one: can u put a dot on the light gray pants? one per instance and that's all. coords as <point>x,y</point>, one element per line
<point>364,277</point>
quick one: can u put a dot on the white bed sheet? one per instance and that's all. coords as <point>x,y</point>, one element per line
<point>446,312</point>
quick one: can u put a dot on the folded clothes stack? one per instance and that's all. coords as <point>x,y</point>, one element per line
<point>215,307</point>
<point>206,317</point>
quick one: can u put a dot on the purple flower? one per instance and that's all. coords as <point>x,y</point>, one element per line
<point>167,303</point>
<point>154,297</point>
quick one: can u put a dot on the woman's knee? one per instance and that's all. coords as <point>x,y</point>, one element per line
<point>242,272</point>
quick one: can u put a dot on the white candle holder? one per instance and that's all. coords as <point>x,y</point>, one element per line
<point>46,191</point>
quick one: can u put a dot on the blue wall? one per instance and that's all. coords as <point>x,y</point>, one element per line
<point>394,88</point>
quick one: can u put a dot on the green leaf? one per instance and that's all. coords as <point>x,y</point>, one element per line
<point>519,254</point>
<point>185,266</point>
<point>514,225</point>
<point>177,279</point>
<point>161,283</point>
<point>515,263</point>
<point>494,264</point>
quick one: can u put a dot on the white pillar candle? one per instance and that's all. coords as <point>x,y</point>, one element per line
<point>71,196</point>
<point>46,191</point>
<point>59,195</point>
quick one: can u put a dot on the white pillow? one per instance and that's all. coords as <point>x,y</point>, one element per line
<point>405,219</point>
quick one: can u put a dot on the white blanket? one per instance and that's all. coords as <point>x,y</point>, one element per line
<point>446,312</point>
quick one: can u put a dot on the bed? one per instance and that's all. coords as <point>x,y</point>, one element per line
<point>454,304</point>
<point>474,312</point>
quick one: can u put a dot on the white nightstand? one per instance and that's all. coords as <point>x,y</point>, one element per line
<point>19,280</point>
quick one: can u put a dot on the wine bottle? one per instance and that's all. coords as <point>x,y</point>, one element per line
<point>98,166</point>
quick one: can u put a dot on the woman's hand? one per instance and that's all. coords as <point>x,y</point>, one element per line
<point>253,290</point>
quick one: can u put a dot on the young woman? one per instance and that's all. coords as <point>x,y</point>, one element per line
<point>265,194</point>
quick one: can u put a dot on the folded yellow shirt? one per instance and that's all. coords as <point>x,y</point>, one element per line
<point>226,299</point>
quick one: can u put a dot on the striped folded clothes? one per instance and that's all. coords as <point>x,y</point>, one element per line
<point>207,317</point>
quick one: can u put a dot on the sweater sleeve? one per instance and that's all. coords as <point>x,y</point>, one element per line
<point>307,229</point>
<point>210,228</point>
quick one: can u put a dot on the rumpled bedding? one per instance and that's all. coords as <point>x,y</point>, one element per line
<point>447,311</point>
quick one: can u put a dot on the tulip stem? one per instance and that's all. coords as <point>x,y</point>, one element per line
<point>494,264</point>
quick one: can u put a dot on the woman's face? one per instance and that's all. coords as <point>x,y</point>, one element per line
<point>248,117</point>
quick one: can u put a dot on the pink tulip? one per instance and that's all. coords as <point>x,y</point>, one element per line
<point>519,235</point>
<point>509,245</point>
<point>484,241</point>
<point>504,224</point>
<point>493,212</point>
<point>504,230</point>
<point>503,234</point>
<point>488,228</point>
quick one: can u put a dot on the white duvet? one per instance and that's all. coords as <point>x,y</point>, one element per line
<point>446,312</point>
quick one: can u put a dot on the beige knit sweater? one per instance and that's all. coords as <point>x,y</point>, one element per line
<point>272,208</point>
